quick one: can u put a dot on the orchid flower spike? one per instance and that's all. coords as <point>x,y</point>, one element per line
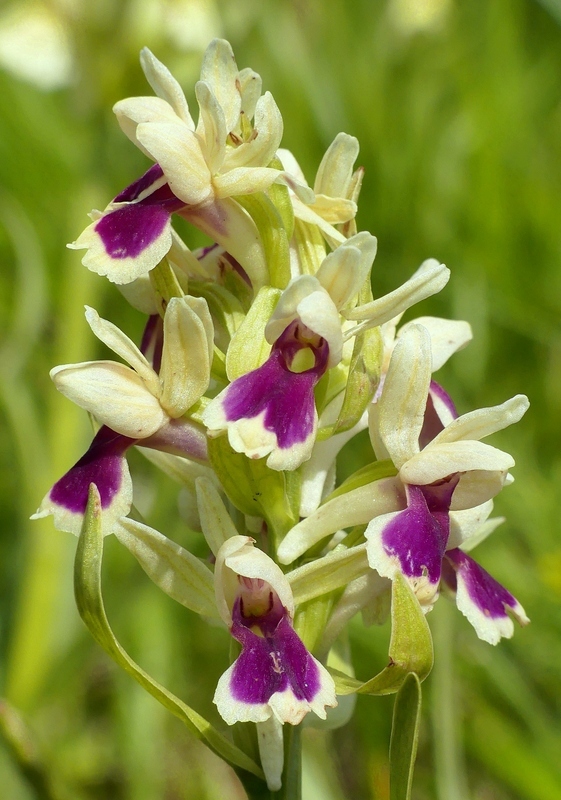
<point>134,404</point>
<point>198,170</point>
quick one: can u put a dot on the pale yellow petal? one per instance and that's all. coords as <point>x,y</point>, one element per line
<point>178,151</point>
<point>114,394</point>
<point>164,84</point>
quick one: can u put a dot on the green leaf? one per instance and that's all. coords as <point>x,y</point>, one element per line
<point>324,575</point>
<point>280,197</point>
<point>410,647</point>
<point>249,348</point>
<point>255,489</point>
<point>226,310</point>
<point>404,738</point>
<point>87,588</point>
<point>368,474</point>
<point>273,234</point>
<point>310,246</point>
<point>165,284</point>
<point>216,523</point>
<point>176,571</point>
<point>364,376</point>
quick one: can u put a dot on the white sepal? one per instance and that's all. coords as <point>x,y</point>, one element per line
<point>401,407</point>
<point>185,369</point>
<point>238,556</point>
<point>447,336</point>
<point>114,394</point>
<point>165,86</point>
<point>120,343</point>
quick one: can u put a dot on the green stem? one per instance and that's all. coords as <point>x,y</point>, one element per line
<point>292,773</point>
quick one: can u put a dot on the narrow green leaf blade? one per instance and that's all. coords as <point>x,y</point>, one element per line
<point>404,738</point>
<point>87,588</point>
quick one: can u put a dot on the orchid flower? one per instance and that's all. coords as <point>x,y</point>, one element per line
<point>274,674</point>
<point>198,170</point>
<point>274,680</point>
<point>452,471</point>
<point>139,403</point>
<point>271,410</point>
<point>336,188</point>
<point>446,477</point>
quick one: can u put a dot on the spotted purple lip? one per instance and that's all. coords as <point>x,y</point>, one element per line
<point>286,397</point>
<point>271,661</point>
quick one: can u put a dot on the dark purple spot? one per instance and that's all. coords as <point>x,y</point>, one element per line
<point>204,251</point>
<point>102,465</point>
<point>272,663</point>
<point>140,185</point>
<point>484,591</point>
<point>128,231</point>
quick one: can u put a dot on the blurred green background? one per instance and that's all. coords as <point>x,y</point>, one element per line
<point>457,106</point>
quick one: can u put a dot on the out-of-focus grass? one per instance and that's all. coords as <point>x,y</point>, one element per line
<point>459,120</point>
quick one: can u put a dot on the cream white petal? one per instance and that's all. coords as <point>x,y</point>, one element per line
<point>185,369</point>
<point>429,279</point>
<point>465,524</point>
<point>334,210</point>
<point>476,487</point>
<point>114,394</point>
<point>447,336</point>
<point>261,150</point>
<point>212,127</point>
<point>401,407</point>
<point>353,508</point>
<point>178,151</point>
<point>133,111</point>
<point>120,343</point>
<point>164,84</point>
<point>302,211</point>
<point>318,312</point>
<point>336,169</point>
<point>344,271</point>
<point>439,460</point>
<point>287,308</point>
<point>288,160</point>
<point>250,84</point>
<point>238,556</point>
<point>219,70</point>
<point>484,421</point>
<point>246,180</point>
